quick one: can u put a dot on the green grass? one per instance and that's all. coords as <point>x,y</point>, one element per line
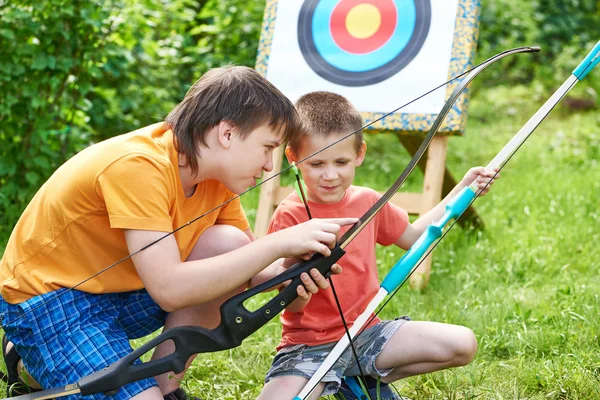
<point>527,284</point>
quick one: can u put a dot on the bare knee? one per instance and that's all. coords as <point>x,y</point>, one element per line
<point>287,386</point>
<point>218,239</point>
<point>149,394</point>
<point>232,238</point>
<point>465,347</point>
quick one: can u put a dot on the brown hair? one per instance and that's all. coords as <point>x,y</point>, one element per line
<point>232,93</point>
<point>324,113</point>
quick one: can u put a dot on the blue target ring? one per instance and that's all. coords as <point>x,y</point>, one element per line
<point>345,58</point>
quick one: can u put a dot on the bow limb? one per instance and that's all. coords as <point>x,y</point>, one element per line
<point>356,228</point>
<point>419,248</point>
<point>237,322</point>
<point>402,270</point>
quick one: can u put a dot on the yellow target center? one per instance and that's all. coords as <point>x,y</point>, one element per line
<point>363,21</point>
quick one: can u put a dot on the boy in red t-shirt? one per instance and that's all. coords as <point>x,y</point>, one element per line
<point>311,328</point>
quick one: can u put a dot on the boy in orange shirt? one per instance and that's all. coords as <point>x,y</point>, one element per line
<point>67,315</point>
<point>390,350</point>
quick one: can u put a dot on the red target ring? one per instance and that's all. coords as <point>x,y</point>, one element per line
<point>361,42</point>
<point>356,45</point>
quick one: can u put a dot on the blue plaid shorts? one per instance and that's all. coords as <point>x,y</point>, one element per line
<point>302,360</point>
<point>65,335</point>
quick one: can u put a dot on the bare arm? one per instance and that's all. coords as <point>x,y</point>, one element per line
<point>175,284</point>
<point>415,230</point>
<point>479,175</point>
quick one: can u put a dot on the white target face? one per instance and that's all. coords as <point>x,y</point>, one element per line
<point>377,53</point>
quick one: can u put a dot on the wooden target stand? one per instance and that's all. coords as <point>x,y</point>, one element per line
<point>457,27</point>
<point>437,183</point>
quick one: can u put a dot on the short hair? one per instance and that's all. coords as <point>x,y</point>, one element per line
<point>232,93</point>
<point>324,113</point>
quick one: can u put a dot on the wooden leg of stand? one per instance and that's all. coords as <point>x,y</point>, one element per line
<point>432,195</point>
<point>266,200</point>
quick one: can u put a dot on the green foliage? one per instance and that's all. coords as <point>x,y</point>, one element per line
<point>228,32</point>
<point>565,29</point>
<point>50,54</point>
<point>160,49</point>
<point>76,72</point>
<point>73,72</point>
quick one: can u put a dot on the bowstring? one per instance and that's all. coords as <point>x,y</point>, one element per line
<point>335,296</point>
<point>284,170</point>
<point>416,267</point>
<point>493,59</point>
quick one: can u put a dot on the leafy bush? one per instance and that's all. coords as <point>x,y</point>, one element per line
<point>565,29</point>
<point>75,72</point>
<point>51,53</point>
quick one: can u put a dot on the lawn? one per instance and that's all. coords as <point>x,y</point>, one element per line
<point>527,284</point>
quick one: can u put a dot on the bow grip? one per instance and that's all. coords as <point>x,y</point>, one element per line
<point>237,323</point>
<point>241,322</point>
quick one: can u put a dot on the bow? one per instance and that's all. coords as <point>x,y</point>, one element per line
<point>237,322</point>
<point>402,270</point>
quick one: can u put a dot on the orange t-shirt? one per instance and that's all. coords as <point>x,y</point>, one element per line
<point>73,227</point>
<point>319,322</point>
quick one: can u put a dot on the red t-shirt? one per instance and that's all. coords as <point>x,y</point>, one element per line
<point>319,322</point>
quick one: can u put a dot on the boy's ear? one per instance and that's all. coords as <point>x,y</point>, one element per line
<point>225,133</point>
<point>360,157</point>
<point>289,154</point>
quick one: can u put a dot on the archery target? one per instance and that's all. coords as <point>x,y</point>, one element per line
<point>377,53</point>
<point>361,42</point>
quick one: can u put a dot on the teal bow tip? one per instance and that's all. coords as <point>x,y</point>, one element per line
<point>588,63</point>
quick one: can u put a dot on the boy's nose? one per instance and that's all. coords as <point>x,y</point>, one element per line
<point>269,165</point>
<point>330,174</point>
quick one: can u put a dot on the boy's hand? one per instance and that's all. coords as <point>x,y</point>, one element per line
<point>480,176</point>
<point>314,236</point>
<point>312,283</point>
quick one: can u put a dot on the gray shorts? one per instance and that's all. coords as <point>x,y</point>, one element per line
<point>302,360</point>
